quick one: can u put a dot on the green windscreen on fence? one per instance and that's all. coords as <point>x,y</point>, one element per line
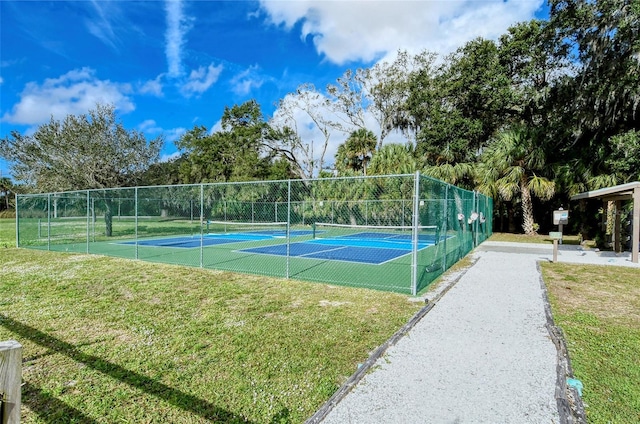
<point>394,233</point>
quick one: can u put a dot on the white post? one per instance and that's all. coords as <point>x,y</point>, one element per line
<point>10,381</point>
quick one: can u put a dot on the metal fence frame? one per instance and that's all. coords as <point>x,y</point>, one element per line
<point>467,215</point>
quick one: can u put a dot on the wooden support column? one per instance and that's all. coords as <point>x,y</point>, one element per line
<point>10,381</point>
<point>635,226</point>
<point>605,218</point>
<point>617,246</point>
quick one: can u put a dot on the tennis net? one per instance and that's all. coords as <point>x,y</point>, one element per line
<point>388,233</point>
<point>227,227</point>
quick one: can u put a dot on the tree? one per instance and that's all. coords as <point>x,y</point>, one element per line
<point>393,159</point>
<point>605,34</point>
<point>90,151</point>
<point>459,106</point>
<point>163,173</point>
<point>349,97</point>
<point>356,152</point>
<point>451,173</point>
<point>6,187</point>
<point>388,90</point>
<point>235,153</point>
<point>624,160</point>
<point>512,164</point>
<point>301,130</point>
<point>601,98</point>
<point>535,62</point>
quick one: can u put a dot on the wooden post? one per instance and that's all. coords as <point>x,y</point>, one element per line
<point>617,246</point>
<point>10,381</point>
<point>560,230</point>
<point>556,236</point>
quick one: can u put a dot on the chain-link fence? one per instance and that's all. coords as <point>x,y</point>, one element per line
<point>395,233</point>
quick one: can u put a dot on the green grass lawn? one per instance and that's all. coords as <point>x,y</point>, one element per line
<point>7,232</point>
<point>114,340</point>
<point>598,308</point>
<point>538,238</point>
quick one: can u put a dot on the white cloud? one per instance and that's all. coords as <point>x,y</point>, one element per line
<point>1,80</point>
<point>174,134</point>
<point>152,87</point>
<point>75,92</point>
<point>245,81</point>
<point>177,27</point>
<point>100,25</point>
<point>150,127</point>
<point>201,79</point>
<point>367,30</point>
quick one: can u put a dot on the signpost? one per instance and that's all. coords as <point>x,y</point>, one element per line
<point>560,218</point>
<point>555,236</point>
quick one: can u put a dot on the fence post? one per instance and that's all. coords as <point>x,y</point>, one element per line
<point>89,222</point>
<point>202,229</point>
<point>10,381</point>
<point>288,226</point>
<point>446,227</point>
<point>49,221</point>
<point>476,223</point>
<point>135,219</point>
<point>415,223</point>
<point>18,223</point>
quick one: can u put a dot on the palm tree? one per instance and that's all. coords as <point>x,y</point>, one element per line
<point>451,173</point>
<point>6,187</point>
<point>393,159</point>
<point>356,152</point>
<point>512,164</point>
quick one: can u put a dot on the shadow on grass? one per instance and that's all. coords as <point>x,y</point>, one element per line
<point>50,409</point>
<point>173,396</point>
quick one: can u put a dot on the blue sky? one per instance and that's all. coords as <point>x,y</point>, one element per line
<point>170,65</point>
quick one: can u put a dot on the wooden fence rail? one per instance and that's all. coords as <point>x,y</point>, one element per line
<point>10,381</point>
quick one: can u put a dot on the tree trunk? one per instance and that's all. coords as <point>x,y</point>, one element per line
<point>511,217</point>
<point>527,209</point>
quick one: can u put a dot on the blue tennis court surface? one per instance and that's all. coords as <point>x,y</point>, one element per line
<point>364,247</point>
<point>370,248</point>
<point>187,242</point>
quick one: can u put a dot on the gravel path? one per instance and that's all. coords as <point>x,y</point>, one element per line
<point>481,355</point>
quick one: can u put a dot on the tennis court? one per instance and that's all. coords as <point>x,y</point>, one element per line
<point>393,232</point>
<point>362,247</point>
<point>196,241</point>
<point>368,247</point>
